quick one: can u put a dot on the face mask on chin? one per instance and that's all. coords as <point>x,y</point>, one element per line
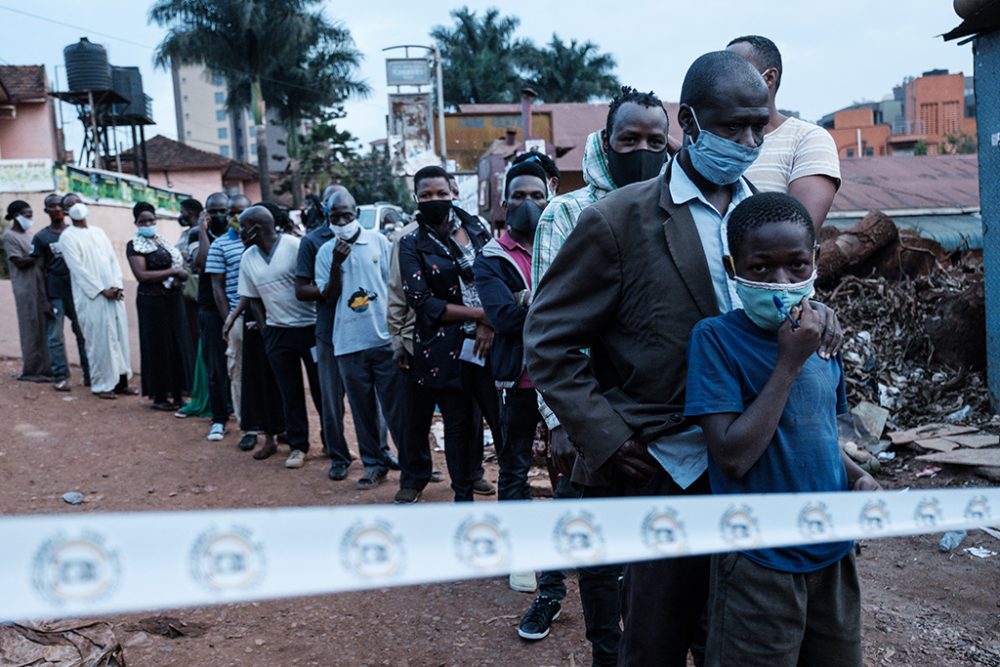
<point>635,166</point>
<point>758,299</point>
<point>719,160</point>
<point>434,212</point>
<point>523,218</point>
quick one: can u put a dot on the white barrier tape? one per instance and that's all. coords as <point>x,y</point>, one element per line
<point>89,564</point>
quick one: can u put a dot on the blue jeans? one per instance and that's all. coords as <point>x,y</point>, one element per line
<point>56,339</point>
<point>372,379</point>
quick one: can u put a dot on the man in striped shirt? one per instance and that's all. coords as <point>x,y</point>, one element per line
<point>797,158</point>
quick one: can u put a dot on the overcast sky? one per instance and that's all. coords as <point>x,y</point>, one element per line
<point>834,53</point>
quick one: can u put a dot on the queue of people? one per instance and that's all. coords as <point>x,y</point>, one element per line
<point>631,325</point>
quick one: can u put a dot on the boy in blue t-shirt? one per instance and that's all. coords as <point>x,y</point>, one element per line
<point>768,404</point>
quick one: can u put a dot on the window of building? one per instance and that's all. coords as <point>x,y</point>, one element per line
<point>869,152</point>
<point>189,133</point>
<point>223,132</point>
<point>850,152</point>
<point>217,80</point>
<point>224,151</point>
<point>253,148</point>
<point>184,79</point>
<point>220,115</point>
<point>253,130</point>
<point>220,98</point>
<point>187,116</point>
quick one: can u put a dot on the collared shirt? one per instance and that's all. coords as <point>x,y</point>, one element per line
<point>711,225</point>
<point>359,320</point>
<point>223,258</point>
<point>271,278</point>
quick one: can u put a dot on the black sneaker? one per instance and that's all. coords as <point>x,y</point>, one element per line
<point>406,496</point>
<point>247,442</point>
<point>370,480</point>
<point>538,619</point>
<point>338,472</point>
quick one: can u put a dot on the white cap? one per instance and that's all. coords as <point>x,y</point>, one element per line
<point>78,211</point>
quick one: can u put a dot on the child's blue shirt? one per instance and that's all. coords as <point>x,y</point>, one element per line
<point>730,359</point>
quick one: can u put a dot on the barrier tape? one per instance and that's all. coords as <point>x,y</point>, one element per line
<point>90,564</point>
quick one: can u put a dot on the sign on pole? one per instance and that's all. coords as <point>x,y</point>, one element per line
<point>407,71</point>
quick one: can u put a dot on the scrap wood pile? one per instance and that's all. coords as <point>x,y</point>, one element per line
<point>914,322</point>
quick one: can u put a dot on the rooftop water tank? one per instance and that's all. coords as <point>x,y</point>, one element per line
<point>127,82</point>
<point>87,66</point>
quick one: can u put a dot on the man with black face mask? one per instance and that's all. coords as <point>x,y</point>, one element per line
<point>503,279</point>
<point>213,223</point>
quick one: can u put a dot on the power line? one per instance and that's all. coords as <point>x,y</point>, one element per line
<point>75,27</point>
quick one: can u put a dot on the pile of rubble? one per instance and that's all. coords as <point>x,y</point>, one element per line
<point>914,331</point>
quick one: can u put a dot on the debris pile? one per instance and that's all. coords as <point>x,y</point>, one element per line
<point>910,349</point>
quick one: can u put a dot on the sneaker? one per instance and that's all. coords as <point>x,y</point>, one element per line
<point>338,472</point>
<point>484,488</point>
<point>406,496</point>
<point>538,619</point>
<point>247,442</point>
<point>296,459</point>
<point>217,432</point>
<point>524,582</point>
<point>437,476</point>
<point>370,480</point>
<point>393,462</point>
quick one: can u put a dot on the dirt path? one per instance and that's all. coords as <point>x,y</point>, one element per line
<point>921,607</point>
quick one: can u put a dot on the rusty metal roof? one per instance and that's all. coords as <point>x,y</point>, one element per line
<point>24,83</point>
<point>908,182</point>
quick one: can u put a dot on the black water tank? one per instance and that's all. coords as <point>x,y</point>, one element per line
<point>87,66</point>
<point>127,82</point>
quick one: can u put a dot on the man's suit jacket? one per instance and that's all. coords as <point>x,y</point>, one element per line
<point>630,283</point>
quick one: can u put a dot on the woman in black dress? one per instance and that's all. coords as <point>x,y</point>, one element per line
<point>164,343</point>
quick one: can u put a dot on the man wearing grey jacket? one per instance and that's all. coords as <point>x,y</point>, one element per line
<point>642,267</point>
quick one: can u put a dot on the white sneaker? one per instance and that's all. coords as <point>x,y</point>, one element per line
<point>296,459</point>
<point>523,581</point>
<point>217,432</point>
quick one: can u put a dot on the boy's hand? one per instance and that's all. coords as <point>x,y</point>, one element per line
<point>866,483</point>
<point>797,345</point>
<point>833,333</point>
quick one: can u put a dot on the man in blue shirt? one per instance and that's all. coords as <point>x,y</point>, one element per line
<point>352,272</point>
<point>768,404</point>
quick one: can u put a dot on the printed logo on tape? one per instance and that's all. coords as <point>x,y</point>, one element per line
<point>227,560</point>
<point>578,537</point>
<point>663,532</point>
<point>739,527</point>
<point>372,549</point>
<point>874,517</point>
<point>815,522</point>
<point>928,512</point>
<point>76,568</point>
<point>481,543</point>
<point>978,509</point>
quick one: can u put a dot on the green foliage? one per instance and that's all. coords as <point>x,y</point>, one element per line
<point>959,144</point>
<point>484,62</point>
<point>370,179</point>
<point>572,72</point>
<point>920,148</point>
<point>322,152</point>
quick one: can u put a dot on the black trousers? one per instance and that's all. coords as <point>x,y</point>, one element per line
<point>664,601</point>
<point>288,349</point>
<point>261,407</point>
<point>519,418</point>
<point>462,450</point>
<point>213,352</point>
<point>414,451</point>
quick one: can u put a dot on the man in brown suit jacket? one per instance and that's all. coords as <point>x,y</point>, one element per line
<point>641,268</point>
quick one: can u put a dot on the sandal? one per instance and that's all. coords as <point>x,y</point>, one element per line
<point>62,385</point>
<point>267,451</point>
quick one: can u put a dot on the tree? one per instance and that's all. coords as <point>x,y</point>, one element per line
<point>572,72</point>
<point>482,59</point>
<point>322,153</point>
<point>370,179</point>
<point>283,54</point>
<point>958,144</point>
<point>920,148</point>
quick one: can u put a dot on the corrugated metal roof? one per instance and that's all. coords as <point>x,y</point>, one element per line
<point>908,182</point>
<point>24,83</point>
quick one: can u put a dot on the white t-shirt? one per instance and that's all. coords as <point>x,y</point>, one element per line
<point>272,280</point>
<point>793,150</point>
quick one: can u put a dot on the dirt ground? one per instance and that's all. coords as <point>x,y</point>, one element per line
<point>921,607</point>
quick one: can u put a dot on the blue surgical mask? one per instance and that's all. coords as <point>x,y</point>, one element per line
<point>759,299</point>
<point>719,160</point>
<point>148,232</point>
<point>24,221</point>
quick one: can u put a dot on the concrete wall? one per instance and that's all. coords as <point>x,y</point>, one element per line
<point>32,134</point>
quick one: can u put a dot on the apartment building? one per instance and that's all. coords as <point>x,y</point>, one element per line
<point>203,121</point>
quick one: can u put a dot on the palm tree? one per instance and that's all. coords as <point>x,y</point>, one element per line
<point>572,72</point>
<point>283,54</point>
<point>482,59</point>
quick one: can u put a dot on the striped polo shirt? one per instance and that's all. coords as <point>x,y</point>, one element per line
<point>224,257</point>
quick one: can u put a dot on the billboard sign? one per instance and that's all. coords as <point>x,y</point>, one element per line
<point>408,71</point>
